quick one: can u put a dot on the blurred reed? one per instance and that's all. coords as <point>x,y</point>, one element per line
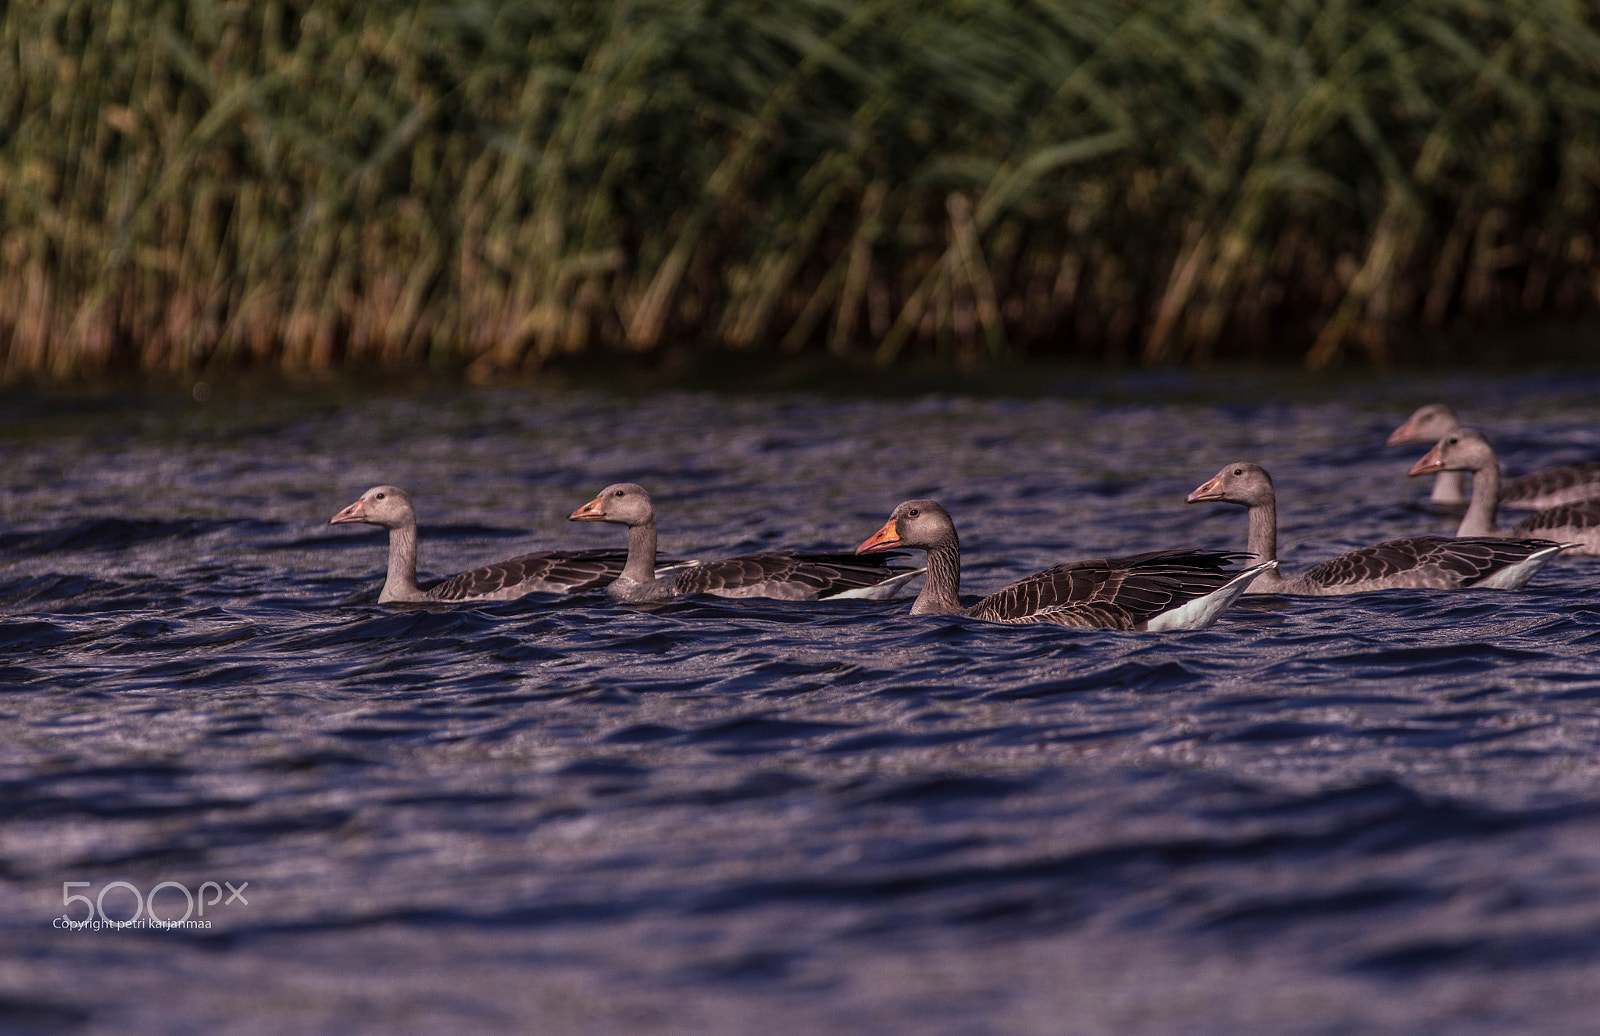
<point>482,185</point>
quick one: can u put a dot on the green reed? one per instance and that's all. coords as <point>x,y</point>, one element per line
<point>359,183</point>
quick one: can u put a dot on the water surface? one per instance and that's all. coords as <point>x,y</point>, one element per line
<point>1376,814</point>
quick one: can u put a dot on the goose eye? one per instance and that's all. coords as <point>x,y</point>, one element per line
<point>912,513</point>
<point>1454,439</point>
<point>1238,471</point>
<point>380,496</point>
<point>619,493</point>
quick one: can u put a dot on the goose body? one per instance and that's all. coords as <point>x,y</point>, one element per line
<point>783,575</point>
<point>1418,562</point>
<point>1159,590</point>
<point>1467,452</point>
<point>1566,484</point>
<point>390,507</point>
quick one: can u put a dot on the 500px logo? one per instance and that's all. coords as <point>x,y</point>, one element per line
<point>144,906</point>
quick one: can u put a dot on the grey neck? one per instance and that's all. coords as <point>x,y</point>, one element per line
<point>641,565</point>
<point>1449,487</point>
<point>941,586</point>
<point>1482,512</point>
<point>1263,541</point>
<point>401,583</point>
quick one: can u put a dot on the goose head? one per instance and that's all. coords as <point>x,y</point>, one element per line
<point>622,503</point>
<point>1238,483</point>
<point>1427,424</point>
<point>386,506</point>
<point>920,524</point>
<point>1464,449</point>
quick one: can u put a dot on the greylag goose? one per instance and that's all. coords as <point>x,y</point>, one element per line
<point>1426,562</point>
<point>1566,484</point>
<point>784,575</point>
<point>1465,450</point>
<point>1160,590</point>
<point>551,571</point>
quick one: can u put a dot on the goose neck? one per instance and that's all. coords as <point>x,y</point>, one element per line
<point>1263,537</point>
<point>1263,543</point>
<point>1449,487</point>
<point>941,585</point>
<point>1483,511</point>
<point>401,582</point>
<point>641,564</point>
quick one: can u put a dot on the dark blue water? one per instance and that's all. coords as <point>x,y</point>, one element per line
<point>1364,815</point>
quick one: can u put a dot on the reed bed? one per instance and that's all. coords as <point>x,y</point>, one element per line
<point>210,184</point>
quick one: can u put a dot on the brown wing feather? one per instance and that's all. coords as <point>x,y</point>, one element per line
<point>1437,562</point>
<point>1113,593</point>
<point>1567,517</point>
<point>787,575</point>
<point>1554,486</point>
<point>554,571</point>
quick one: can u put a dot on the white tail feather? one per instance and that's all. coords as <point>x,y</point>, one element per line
<point>883,591</point>
<point>1203,611</point>
<point>1515,577</point>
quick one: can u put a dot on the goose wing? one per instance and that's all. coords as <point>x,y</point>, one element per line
<point>787,575</point>
<point>1112,593</point>
<point>1552,487</point>
<point>1575,524</point>
<point>1567,517</point>
<point>1428,562</point>
<point>556,571</point>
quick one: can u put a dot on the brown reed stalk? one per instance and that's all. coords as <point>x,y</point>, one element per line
<point>493,184</point>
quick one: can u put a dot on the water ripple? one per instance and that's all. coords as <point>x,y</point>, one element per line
<point>1319,815</point>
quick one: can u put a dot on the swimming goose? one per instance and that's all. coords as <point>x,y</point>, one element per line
<point>784,575</point>
<point>1465,450</point>
<point>1428,562</point>
<point>1566,484</point>
<point>1160,590</point>
<point>550,571</point>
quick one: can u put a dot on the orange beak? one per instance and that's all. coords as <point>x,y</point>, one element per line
<point>1430,462</point>
<point>884,539</point>
<point>356,512</point>
<point>1210,491</point>
<point>593,511</point>
<point>1404,434</point>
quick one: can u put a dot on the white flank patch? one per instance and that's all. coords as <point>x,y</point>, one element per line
<point>1203,611</point>
<point>878,591</point>
<point>1515,577</point>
